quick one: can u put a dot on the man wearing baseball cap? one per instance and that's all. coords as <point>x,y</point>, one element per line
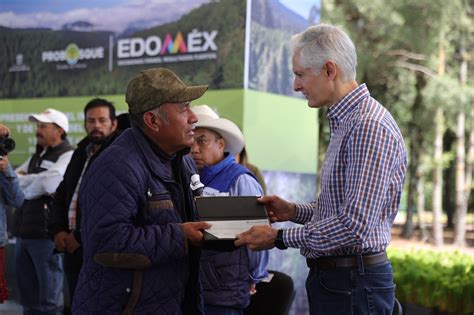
<point>216,141</point>
<point>139,237</point>
<point>39,271</point>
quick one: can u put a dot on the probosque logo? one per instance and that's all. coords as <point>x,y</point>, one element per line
<point>73,54</point>
<point>197,46</point>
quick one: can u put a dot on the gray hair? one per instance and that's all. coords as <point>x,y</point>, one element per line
<point>137,119</point>
<point>324,42</point>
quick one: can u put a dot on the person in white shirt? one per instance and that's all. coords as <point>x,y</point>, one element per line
<point>39,270</point>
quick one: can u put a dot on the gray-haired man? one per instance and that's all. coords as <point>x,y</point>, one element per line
<point>347,228</point>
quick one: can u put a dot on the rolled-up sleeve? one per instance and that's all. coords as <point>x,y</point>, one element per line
<point>44,183</point>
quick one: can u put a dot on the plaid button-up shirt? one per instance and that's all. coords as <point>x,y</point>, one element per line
<point>361,182</point>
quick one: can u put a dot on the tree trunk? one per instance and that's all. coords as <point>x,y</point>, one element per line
<point>408,228</point>
<point>437,203</point>
<point>449,179</point>
<point>461,202</point>
<point>420,205</point>
<point>438,179</point>
<point>470,161</point>
<point>415,152</point>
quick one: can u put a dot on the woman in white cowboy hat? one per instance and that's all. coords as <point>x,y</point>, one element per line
<point>216,142</point>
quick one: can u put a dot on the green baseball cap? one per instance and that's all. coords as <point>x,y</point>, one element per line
<point>157,86</point>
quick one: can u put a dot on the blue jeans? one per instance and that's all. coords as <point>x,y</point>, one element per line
<point>40,277</point>
<point>359,290</point>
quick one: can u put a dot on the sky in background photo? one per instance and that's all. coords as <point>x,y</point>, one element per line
<point>107,15</point>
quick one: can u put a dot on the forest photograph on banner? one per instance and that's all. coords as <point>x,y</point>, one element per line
<point>93,47</point>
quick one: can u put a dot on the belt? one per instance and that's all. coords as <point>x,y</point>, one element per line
<point>332,262</point>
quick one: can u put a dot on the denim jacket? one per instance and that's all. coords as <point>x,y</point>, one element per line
<point>10,195</point>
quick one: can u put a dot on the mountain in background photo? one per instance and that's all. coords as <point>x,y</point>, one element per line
<point>116,16</point>
<point>272,26</point>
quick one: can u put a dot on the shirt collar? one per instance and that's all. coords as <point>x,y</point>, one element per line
<point>340,110</point>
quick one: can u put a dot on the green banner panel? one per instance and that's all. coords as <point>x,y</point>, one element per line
<point>281,132</point>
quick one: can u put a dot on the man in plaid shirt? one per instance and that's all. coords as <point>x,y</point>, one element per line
<point>346,230</point>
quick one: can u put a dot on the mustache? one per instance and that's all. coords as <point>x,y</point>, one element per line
<point>38,135</point>
<point>97,132</point>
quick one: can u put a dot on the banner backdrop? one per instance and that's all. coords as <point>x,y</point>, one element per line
<point>92,49</point>
<point>60,54</point>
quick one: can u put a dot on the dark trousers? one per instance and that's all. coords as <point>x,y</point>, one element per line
<point>72,267</point>
<point>358,290</point>
<point>221,310</point>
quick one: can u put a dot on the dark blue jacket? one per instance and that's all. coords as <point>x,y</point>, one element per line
<point>133,198</point>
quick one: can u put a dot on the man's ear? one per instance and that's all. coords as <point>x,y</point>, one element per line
<point>221,143</point>
<point>330,69</point>
<point>60,131</point>
<point>114,124</point>
<point>151,121</point>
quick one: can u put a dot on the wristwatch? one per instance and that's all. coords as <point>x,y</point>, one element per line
<point>279,240</point>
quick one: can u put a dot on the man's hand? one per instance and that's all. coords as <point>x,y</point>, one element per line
<point>4,131</point>
<point>259,237</point>
<point>194,231</point>
<point>3,162</point>
<point>71,243</point>
<point>278,209</point>
<point>253,288</point>
<point>59,241</point>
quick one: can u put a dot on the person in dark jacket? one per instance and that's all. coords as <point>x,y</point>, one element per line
<point>100,124</point>
<point>123,121</point>
<point>39,271</point>
<point>140,243</point>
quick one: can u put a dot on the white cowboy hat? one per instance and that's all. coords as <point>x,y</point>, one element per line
<point>233,137</point>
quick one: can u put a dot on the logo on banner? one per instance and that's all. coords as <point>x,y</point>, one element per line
<point>19,65</point>
<point>72,55</point>
<point>194,46</point>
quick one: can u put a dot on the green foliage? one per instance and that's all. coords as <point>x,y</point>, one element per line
<point>434,279</point>
<point>403,48</point>
<point>447,93</point>
<point>392,35</point>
